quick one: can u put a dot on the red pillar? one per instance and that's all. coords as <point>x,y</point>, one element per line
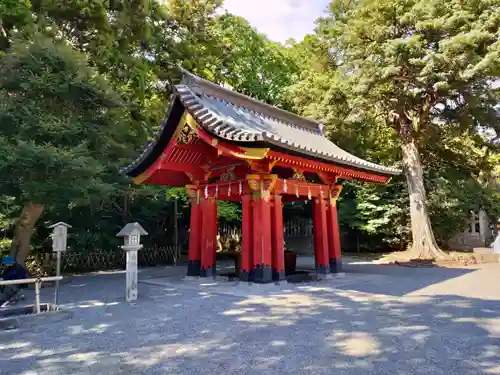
<point>246,272</point>
<point>215,231</point>
<point>194,253</point>
<point>277,238</point>
<point>320,236</point>
<point>208,237</point>
<point>262,238</point>
<point>333,237</point>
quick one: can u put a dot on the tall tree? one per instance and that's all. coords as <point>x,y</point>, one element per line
<point>250,63</point>
<point>137,46</point>
<point>424,66</point>
<point>60,123</point>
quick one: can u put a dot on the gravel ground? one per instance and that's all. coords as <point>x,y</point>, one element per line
<point>375,320</point>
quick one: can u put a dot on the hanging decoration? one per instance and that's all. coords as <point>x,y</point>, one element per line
<point>229,190</point>
<point>241,188</point>
<point>297,191</point>
<point>321,193</point>
<point>206,191</point>
<point>216,190</point>
<point>309,196</point>
<point>285,187</point>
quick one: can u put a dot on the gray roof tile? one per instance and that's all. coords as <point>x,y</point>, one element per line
<point>234,117</point>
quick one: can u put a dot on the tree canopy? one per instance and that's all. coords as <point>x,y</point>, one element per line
<point>420,74</point>
<point>60,133</point>
<point>411,84</point>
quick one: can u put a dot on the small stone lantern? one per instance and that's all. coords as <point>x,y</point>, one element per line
<point>59,244</point>
<point>496,244</point>
<point>59,236</point>
<point>131,234</point>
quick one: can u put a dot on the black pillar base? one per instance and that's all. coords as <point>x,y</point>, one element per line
<point>278,275</point>
<point>335,265</point>
<point>194,268</point>
<point>246,276</point>
<point>322,269</point>
<point>208,272</point>
<point>263,274</point>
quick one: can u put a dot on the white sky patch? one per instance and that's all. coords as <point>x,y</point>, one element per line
<point>280,20</point>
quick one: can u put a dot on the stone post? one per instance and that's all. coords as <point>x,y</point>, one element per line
<point>132,237</point>
<point>496,244</point>
<point>59,245</point>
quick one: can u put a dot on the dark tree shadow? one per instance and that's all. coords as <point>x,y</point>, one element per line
<point>319,328</point>
<point>393,279</point>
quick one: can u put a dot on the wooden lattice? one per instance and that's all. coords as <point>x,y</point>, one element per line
<point>299,227</point>
<point>98,260</point>
<point>74,261</point>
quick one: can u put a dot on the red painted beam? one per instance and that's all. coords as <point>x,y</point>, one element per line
<point>289,161</point>
<point>301,190</point>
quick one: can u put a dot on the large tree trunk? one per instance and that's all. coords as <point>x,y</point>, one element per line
<point>23,231</point>
<point>424,244</point>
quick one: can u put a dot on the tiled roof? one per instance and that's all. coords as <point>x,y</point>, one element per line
<point>148,152</point>
<point>237,118</point>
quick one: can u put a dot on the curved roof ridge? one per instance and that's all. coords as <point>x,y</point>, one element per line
<point>235,122</point>
<point>239,118</point>
<point>248,102</point>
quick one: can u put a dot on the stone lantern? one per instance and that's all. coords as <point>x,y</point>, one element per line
<point>59,244</point>
<point>131,234</point>
<point>496,244</point>
<point>59,236</point>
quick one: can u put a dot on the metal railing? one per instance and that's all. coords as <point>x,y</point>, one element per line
<point>38,283</point>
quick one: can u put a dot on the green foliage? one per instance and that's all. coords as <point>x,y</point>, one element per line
<point>377,66</point>
<point>81,102</point>
<point>59,122</point>
<point>250,63</point>
<point>228,211</point>
<point>13,13</point>
<point>421,59</point>
<point>139,46</point>
<point>376,211</point>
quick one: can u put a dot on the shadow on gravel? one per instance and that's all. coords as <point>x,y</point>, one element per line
<point>317,329</point>
<point>396,283</point>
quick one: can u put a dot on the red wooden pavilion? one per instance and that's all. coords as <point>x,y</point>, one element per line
<point>224,145</point>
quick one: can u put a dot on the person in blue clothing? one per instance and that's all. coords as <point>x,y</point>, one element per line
<point>13,271</point>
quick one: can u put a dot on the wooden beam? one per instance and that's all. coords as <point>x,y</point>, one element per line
<point>344,172</point>
<point>229,149</point>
